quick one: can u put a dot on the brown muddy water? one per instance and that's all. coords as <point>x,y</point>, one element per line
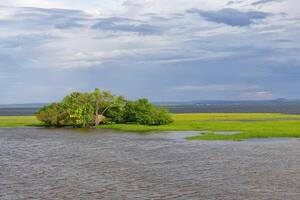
<point>103,164</point>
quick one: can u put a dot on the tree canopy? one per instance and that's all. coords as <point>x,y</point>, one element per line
<point>100,106</point>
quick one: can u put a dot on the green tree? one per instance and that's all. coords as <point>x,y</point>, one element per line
<point>161,116</point>
<point>101,101</point>
<point>54,114</point>
<point>79,110</point>
<point>88,109</point>
<point>143,112</point>
<point>115,111</point>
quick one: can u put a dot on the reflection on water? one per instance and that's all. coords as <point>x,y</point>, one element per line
<point>101,164</point>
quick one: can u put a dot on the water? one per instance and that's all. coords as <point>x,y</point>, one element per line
<point>17,111</point>
<point>20,110</point>
<point>102,164</point>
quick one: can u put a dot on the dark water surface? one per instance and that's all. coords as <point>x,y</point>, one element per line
<point>102,164</point>
<point>232,108</point>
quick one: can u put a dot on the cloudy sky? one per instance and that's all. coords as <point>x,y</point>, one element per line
<point>164,50</point>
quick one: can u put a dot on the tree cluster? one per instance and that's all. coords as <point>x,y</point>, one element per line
<point>99,107</point>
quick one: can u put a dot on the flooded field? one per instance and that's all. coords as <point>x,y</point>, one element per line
<point>103,164</point>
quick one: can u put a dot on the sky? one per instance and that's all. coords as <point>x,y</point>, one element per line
<point>179,50</point>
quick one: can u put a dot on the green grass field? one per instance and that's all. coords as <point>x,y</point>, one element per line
<point>261,125</point>
<point>15,121</point>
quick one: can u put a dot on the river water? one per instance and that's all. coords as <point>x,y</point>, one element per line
<point>103,164</point>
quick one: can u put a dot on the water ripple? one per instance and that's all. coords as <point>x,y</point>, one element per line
<point>102,164</point>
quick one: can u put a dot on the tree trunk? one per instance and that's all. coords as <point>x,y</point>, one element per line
<point>97,121</point>
<point>100,118</point>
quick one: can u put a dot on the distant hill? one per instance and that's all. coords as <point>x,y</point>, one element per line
<point>182,103</point>
<point>222,102</point>
<point>271,106</point>
<point>215,106</point>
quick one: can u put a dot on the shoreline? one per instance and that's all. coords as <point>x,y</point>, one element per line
<point>246,126</point>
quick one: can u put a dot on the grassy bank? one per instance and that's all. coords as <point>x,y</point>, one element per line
<point>15,121</point>
<point>248,125</point>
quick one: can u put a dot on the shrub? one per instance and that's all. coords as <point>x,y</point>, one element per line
<point>162,116</point>
<point>74,110</point>
<point>54,115</point>
<point>143,112</point>
<point>84,109</point>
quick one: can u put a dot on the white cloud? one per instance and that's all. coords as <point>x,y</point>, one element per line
<point>49,35</point>
<point>33,3</point>
<point>160,37</point>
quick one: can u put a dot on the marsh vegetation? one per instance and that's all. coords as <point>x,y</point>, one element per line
<point>259,125</point>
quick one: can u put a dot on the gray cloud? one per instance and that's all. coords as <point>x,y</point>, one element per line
<point>132,3</point>
<point>126,25</point>
<point>29,18</point>
<point>234,2</point>
<point>282,40</point>
<point>237,90</point>
<point>25,40</point>
<point>265,1</point>
<point>46,53</point>
<point>231,16</point>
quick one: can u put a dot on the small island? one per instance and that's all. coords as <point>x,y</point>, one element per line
<point>102,110</point>
<point>101,107</point>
